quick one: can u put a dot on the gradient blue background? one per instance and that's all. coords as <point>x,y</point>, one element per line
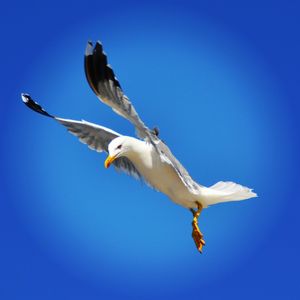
<point>221,80</point>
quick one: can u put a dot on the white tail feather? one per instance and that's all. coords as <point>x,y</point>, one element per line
<point>224,192</point>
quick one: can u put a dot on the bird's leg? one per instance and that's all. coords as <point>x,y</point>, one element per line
<point>196,234</point>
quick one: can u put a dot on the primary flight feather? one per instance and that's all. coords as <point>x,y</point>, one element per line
<point>147,158</point>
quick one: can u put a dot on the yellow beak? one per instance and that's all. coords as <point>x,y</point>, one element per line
<point>109,161</point>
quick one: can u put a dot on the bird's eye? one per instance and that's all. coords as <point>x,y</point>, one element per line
<point>119,147</point>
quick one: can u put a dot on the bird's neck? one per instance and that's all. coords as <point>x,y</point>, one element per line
<point>140,153</point>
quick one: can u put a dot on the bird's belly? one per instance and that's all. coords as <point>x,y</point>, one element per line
<point>164,178</point>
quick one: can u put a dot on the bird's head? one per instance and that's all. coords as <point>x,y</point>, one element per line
<point>118,147</point>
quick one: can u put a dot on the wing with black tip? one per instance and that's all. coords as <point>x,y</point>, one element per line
<point>102,80</point>
<point>95,136</point>
<point>105,85</point>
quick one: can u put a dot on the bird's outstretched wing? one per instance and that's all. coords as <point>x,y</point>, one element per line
<point>95,136</point>
<point>105,85</point>
<point>98,138</point>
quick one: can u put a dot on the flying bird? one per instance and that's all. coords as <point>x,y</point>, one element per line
<point>147,157</point>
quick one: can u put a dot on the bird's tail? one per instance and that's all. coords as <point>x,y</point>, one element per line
<point>225,192</point>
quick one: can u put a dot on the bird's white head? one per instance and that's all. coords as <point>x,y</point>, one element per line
<point>118,147</point>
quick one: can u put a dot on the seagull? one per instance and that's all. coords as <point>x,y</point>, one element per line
<point>147,157</point>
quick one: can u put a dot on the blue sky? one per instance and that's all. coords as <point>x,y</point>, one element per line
<point>220,80</point>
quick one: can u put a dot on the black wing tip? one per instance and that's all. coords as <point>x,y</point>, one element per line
<point>25,97</point>
<point>29,102</point>
<point>90,48</point>
<point>99,46</point>
<point>97,69</point>
<point>99,43</point>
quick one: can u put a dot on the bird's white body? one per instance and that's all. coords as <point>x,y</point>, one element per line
<point>162,176</point>
<point>159,174</point>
